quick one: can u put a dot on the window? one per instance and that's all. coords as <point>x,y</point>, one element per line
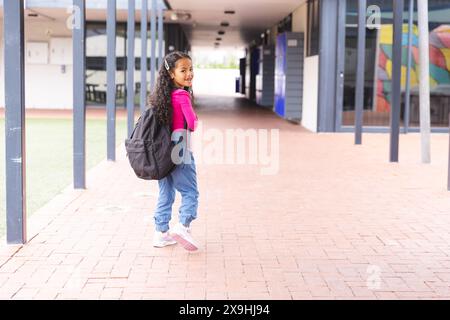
<point>285,25</point>
<point>313,27</point>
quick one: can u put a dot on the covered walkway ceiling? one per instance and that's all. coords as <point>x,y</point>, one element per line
<point>251,18</point>
<point>51,10</point>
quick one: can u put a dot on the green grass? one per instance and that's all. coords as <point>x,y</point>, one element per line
<point>49,159</point>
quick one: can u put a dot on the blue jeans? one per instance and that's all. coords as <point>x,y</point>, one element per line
<point>183,179</point>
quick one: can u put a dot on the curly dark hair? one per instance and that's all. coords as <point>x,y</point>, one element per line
<point>160,98</point>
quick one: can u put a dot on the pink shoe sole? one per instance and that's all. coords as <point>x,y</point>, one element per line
<point>184,243</point>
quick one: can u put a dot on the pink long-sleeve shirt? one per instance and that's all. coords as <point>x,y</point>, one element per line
<point>182,109</point>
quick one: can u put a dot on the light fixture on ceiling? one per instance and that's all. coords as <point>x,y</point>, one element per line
<point>218,39</point>
<point>229,12</point>
<point>35,14</point>
<point>221,32</point>
<point>224,24</point>
<point>180,15</point>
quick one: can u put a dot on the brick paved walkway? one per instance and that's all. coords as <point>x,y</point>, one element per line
<point>337,222</point>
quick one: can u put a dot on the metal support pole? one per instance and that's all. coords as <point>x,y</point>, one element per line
<point>340,62</point>
<point>327,68</point>
<point>160,36</point>
<point>130,65</point>
<point>13,15</point>
<point>111,81</point>
<point>143,100</point>
<point>424,81</point>
<point>153,36</point>
<point>396,80</point>
<point>359,92</point>
<point>408,68</point>
<point>79,95</point>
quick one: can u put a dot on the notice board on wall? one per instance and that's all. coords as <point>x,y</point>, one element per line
<point>61,51</point>
<point>37,52</point>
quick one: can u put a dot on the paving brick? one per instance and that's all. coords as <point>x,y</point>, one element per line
<point>335,222</point>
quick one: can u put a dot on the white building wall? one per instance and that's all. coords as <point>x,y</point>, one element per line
<point>47,85</point>
<point>310,93</point>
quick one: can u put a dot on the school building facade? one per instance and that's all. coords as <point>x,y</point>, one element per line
<point>303,66</point>
<point>315,84</point>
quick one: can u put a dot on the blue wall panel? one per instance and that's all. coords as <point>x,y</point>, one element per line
<point>289,58</point>
<point>280,74</point>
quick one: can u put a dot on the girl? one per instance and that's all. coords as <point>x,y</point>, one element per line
<point>172,103</point>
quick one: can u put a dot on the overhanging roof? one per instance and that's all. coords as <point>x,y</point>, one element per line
<point>58,10</point>
<point>251,18</point>
<point>90,4</point>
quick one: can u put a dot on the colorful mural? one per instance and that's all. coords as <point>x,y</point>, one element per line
<point>439,61</point>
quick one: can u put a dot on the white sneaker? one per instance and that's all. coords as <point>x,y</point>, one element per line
<point>161,239</point>
<point>182,235</point>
